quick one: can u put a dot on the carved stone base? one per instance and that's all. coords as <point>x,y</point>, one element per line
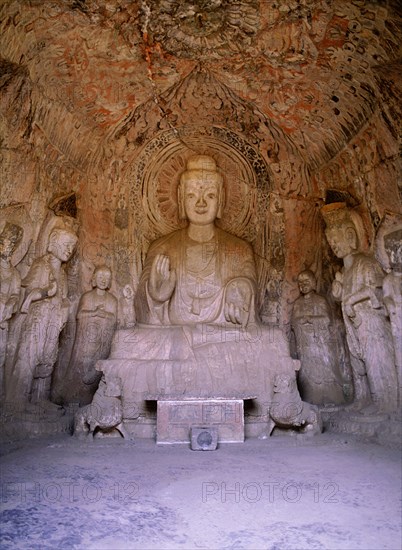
<point>175,419</point>
<point>35,421</point>
<point>382,428</point>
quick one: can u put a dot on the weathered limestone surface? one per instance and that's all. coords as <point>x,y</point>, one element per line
<point>198,333</point>
<point>102,104</point>
<point>43,315</point>
<point>319,347</point>
<point>10,288</point>
<point>393,296</point>
<point>96,323</point>
<point>359,288</point>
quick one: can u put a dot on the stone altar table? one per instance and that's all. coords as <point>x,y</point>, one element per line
<point>175,418</point>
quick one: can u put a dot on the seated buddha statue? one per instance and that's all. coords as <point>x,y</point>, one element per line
<point>199,274</point>
<point>197,332</point>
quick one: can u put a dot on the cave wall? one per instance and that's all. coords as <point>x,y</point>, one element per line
<point>102,102</point>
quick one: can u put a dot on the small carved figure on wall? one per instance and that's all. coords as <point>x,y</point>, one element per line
<point>96,323</point>
<point>392,288</point>
<point>320,380</point>
<point>10,287</point>
<point>359,288</point>
<point>127,307</point>
<point>45,308</point>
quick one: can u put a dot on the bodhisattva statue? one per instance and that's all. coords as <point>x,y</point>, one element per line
<point>10,287</point>
<point>96,323</point>
<point>319,378</point>
<point>359,288</point>
<point>197,332</point>
<point>45,308</point>
<point>393,296</point>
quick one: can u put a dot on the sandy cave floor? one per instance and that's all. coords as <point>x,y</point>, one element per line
<point>328,492</point>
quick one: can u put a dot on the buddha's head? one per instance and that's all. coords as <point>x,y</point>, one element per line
<point>62,244</point>
<point>306,281</point>
<point>200,191</point>
<point>10,238</point>
<point>102,277</point>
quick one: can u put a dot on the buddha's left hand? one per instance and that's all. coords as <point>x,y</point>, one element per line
<point>238,297</point>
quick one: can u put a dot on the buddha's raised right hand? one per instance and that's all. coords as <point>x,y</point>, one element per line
<point>162,280</point>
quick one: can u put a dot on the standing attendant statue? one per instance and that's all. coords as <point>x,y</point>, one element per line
<point>359,288</point>
<point>393,296</point>
<point>96,323</point>
<point>319,377</point>
<point>10,288</point>
<point>46,310</point>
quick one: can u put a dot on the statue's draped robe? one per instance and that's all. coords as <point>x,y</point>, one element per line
<point>41,326</point>
<point>203,271</point>
<point>184,347</point>
<point>10,287</point>
<point>320,379</point>
<point>393,298</point>
<point>93,338</point>
<point>369,331</point>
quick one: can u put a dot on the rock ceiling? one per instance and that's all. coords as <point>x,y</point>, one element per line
<point>311,71</point>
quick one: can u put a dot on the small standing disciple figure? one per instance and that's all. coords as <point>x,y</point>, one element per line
<point>96,323</point>
<point>359,288</point>
<point>392,289</point>
<point>319,377</point>
<point>10,287</point>
<point>45,309</point>
<point>127,307</point>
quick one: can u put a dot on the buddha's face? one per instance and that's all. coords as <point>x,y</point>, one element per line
<point>341,240</point>
<point>102,278</point>
<point>306,283</point>
<point>201,199</point>
<point>62,245</point>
